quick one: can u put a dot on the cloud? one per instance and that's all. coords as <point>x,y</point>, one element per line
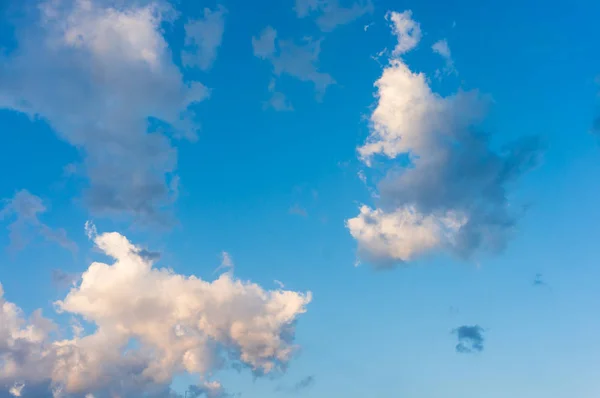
<point>288,58</point>
<point>64,279</point>
<point>445,188</point>
<point>278,100</point>
<point>298,210</point>
<point>330,14</point>
<point>16,390</point>
<point>470,339</point>
<point>203,38</point>
<point>103,78</point>
<point>303,384</point>
<point>441,47</point>
<point>25,209</point>
<point>226,262</point>
<point>402,234</point>
<point>208,389</point>
<point>406,30</point>
<point>539,280</point>
<point>149,324</point>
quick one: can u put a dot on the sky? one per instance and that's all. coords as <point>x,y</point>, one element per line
<point>321,198</point>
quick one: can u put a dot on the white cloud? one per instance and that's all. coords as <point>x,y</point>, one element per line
<point>203,38</point>
<point>26,208</point>
<point>288,58</point>
<point>402,234</point>
<point>96,74</point>
<point>16,390</point>
<point>150,325</point>
<point>441,47</point>
<point>330,14</point>
<point>407,31</point>
<point>453,193</point>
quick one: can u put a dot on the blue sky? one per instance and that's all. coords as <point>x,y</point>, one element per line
<point>240,142</point>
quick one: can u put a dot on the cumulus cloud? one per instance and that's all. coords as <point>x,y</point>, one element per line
<point>445,187</point>
<point>470,339</point>
<point>149,324</point>
<point>330,13</point>
<point>203,38</point>
<point>25,209</point>
<point>212,389</point>
<point>442,49</point>
<point>286,57</point>
<point>101,75</point>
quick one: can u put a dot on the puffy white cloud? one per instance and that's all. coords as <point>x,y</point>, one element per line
<point>203,38</point>
<point>26,208</point>
<point>289,58</point>
<point>445,187</point>
<point>330,13</point>
<point>401,234</point>
<point>150,324</point>
<point>101,74</point>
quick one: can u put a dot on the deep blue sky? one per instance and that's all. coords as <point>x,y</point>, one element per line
<point>366,332</point>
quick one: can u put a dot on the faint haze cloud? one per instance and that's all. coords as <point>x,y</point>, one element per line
<point>25,209</point>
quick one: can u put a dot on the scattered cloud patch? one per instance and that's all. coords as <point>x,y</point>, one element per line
<point>298,210</point>
<point>470,339</point>
<point>212,389</point>
<point>441,48</point>
<point>300,386</point>
<point>278,100</point>
<point>286,57</point>
<point>539,280</point>
<point>17,389</point>
<point>330,13</point>
<point>62,279</point>
<point>103,78</point>
<point>203,37</point>
<point>226,262</point>
<point>179,324</point>
<point>406,29</point>
<point>25,209</point>
<point>444,188</point>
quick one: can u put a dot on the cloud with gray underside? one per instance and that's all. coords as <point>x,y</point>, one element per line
<point>106,83</point>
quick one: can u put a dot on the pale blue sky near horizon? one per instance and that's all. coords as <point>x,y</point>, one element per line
<point>366,332</point>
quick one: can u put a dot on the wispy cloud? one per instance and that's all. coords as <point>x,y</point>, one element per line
<point>330,14</point>
<point>299,386</point>
<point>441,48</point>
<point>203,37</point>
<point>25,210</point>
<point>287,57</point>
